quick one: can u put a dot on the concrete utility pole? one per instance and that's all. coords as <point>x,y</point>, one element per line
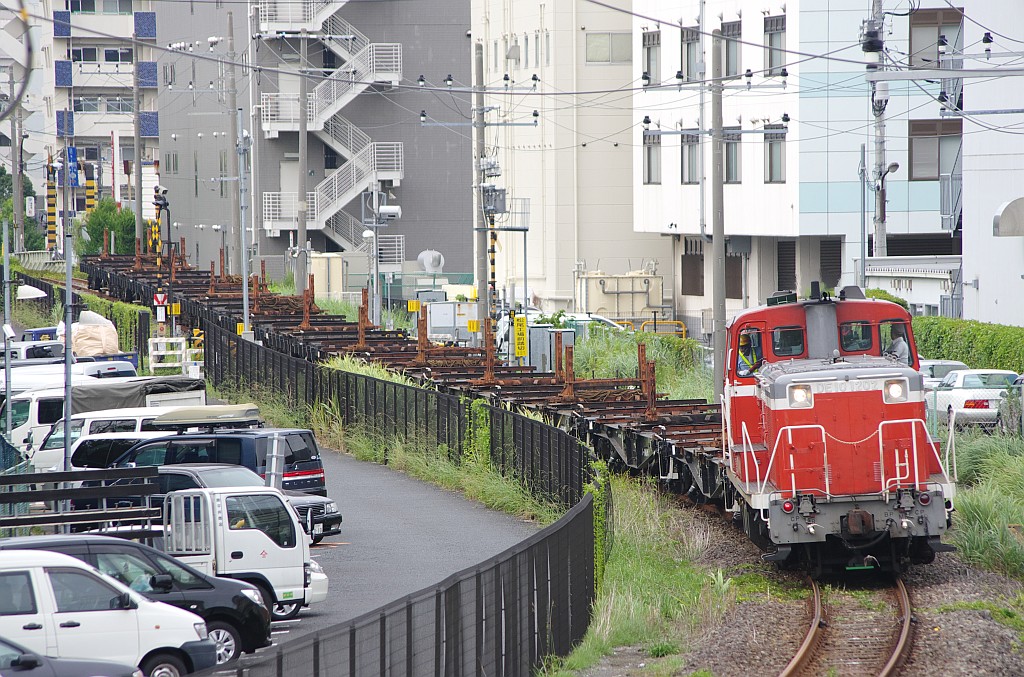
<point>879,100</point>
<point>16,172</point>
<point>257,111</point>
<point>242,149</point>
<point>68,293</point>
<point>717,213</point>
<point>236,224</point>
<point>300,260</point>
<point>479,222</point>
<point>140,232</point>
<point>862,174</point>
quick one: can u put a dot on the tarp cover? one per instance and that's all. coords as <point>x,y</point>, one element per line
<point>111,394</point>
<point>92,335</point>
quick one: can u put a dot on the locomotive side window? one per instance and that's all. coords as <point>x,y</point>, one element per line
<point>788,341</point>
<point>855,336</point>
<point>894,338</point>
<point>750,352</point>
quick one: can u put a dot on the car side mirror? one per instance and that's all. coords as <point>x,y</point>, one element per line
<point>123,601</point>
<point>161,582</point>
<point>27,661</point>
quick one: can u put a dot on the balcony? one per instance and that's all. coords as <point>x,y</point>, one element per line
<point>107,75</point>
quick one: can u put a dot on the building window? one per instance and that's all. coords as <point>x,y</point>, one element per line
<point>830,261</point>
<point>609,48</point>
<point>513,54</point>
<point>117,6</point>
<point>90,153</point>
<point>83,6</point>
<point>118,55</point>
<point>775,44</point>
<point>195,172</point>
<point>168,73</point>
<point>731,137</point>
<point>691,158</point>
<point>223,173</point>
<point>331,158</point>
<point>83,54</point>
<point>934,147</point>
<point>652,55</point>
<point>495,55</point>
<point>732,31</point>
<point>87,104</point>
<point>536,49</point>
<point>785,264</point>
<point>120,105</point>
<point>692,267</point>
<point>926,25</point>
<point>775,154</point>
<point>652,159</point>
<point>689,54</point>
<point>547,48</point>
<point>526,51</point>
<point>733,277</point>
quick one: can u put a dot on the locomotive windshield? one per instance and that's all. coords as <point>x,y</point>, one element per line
<point>788,341</point>
<point>855,336</point>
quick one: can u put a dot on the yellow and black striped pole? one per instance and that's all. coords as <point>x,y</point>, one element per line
<point>492,308</point>
<point>51,205</point>
<point>90,188</point>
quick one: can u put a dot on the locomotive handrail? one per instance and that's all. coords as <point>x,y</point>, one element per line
<point>914,422</point>
<point>951,449</point>
<point>778,438</point>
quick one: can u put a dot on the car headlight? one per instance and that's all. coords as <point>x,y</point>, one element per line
<point>201,630</point>
<point>331,507</point>
<point>895,390</point>
<point>254,595</point>
<point>315,567</point>
<point>800,396</point>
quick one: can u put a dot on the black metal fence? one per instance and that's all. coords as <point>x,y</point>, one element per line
<point>501,617</point>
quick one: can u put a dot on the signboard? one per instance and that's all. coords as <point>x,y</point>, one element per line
<point>473,326</point>
<point>240,328</point>
<point>161,314</point>
<point>520,336</point>
<point>413,305</point>
<point>30,206</point>
<point>73,166</point>
<point>159,299</point>
<point>175,309</point>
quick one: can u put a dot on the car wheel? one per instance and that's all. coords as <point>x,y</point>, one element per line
<point>284,612</point>
<point>229,642</point>
<point>164,665</point>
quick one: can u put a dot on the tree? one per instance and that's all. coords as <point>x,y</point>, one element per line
<point>108,216</point>
<point>7,185</point>
<point>34,238</point>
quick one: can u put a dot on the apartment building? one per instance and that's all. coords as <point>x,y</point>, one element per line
<point>97,53</point>
<point>796,112</point>
<point>569,179</point>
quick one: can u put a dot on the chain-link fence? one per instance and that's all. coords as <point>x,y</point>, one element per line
<point>989,408</point>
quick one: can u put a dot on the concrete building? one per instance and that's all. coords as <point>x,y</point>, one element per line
<point>569,179</point>
<point>90,67</point>
<point>792,208</point>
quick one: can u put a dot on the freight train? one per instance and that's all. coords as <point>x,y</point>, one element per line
<point>825,460</point>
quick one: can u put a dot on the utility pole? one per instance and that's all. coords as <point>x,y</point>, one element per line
<point>300,260</point>
<point>256,107</point>
<point>480,224</point>
<point>717,213</point>
<point>236,225</point>
<point>879,100</point>
<point>140,232</point>
<point>862,173</point>
<point>242,149</point>
<point>16,171</point>
<point>68,293</point>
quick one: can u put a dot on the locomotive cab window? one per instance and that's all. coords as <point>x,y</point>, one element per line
<point>855,336</point>
<point>896,341</point>
<point>749,352</point>
<point>788,341</point>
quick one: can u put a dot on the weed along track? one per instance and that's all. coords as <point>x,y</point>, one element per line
<point>855,632</point>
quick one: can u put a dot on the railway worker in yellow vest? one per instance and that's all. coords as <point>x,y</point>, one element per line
<point>748,359</point>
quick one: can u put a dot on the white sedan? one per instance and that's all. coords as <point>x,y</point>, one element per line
<point>970,396</point>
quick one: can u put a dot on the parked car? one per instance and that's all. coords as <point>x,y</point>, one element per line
<point>935,370</point>
<point>58,605</point>
<point>303,470</point>
<point>15,658</point>
<point>318,513</point>
<point>970,396</point>
<point>88,451</point>
<point>236,616</point>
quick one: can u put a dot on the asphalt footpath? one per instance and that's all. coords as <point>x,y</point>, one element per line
<point>399,535</point>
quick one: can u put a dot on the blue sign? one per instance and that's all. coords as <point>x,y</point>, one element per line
<point>73,166</point>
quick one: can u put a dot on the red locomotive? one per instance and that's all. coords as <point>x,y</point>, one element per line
<point>826,459</point>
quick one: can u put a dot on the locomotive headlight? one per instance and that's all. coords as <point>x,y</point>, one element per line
<point>800,396</point>
<point>894,390</point>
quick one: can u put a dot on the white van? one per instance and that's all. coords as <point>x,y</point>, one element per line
<point>123,420</point>
<point>57,605</point>
<point>108,369</point>
<point>33,412</point>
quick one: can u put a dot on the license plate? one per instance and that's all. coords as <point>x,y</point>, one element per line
<point>318,528</point>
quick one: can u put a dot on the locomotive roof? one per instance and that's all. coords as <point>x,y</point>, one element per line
<point>873,304</point>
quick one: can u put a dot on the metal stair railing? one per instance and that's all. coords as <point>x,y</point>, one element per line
<point>353,42</point>
<point>307,12</point>
<point>347,229</point>
<point>350,139</point>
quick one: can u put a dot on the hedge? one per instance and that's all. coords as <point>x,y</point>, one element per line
<point>977,344</point>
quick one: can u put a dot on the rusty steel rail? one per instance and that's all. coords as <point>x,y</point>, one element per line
<point>813,638</point>
<point>903,644</point>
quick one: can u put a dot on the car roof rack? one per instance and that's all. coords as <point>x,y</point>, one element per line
<point>209,417</point>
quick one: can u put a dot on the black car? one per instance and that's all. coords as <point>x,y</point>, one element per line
<point>318,513</point>
<point>16,659</point>
<point>235,615</point>
<point>302,468</point>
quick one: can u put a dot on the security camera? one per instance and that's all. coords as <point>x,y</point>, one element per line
<point>389,212</point>
<point>9,332</point>
<point>469,33</point>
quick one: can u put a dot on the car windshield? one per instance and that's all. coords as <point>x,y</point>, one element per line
<point>19,414</point>
<point>55,440</point>
<point>940,370</point>
<point>998,380</point>
<point>231,477</point>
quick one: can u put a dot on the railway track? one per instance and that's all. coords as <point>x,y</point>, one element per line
<point>865,631</point>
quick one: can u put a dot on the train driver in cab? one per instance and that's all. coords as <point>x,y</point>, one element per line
<point>748,358</point>
<point>898,348</point>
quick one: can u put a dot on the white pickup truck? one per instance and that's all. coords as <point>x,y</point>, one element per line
<point>250,534</point>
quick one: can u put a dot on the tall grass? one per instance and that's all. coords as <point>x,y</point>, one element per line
<point>679,371</point>
<point>991,501</point>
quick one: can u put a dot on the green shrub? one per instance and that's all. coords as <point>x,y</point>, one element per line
<point>886,296</point>
<point>978,344</point>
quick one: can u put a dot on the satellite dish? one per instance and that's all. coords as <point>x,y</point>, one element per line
<point>431,261</point>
